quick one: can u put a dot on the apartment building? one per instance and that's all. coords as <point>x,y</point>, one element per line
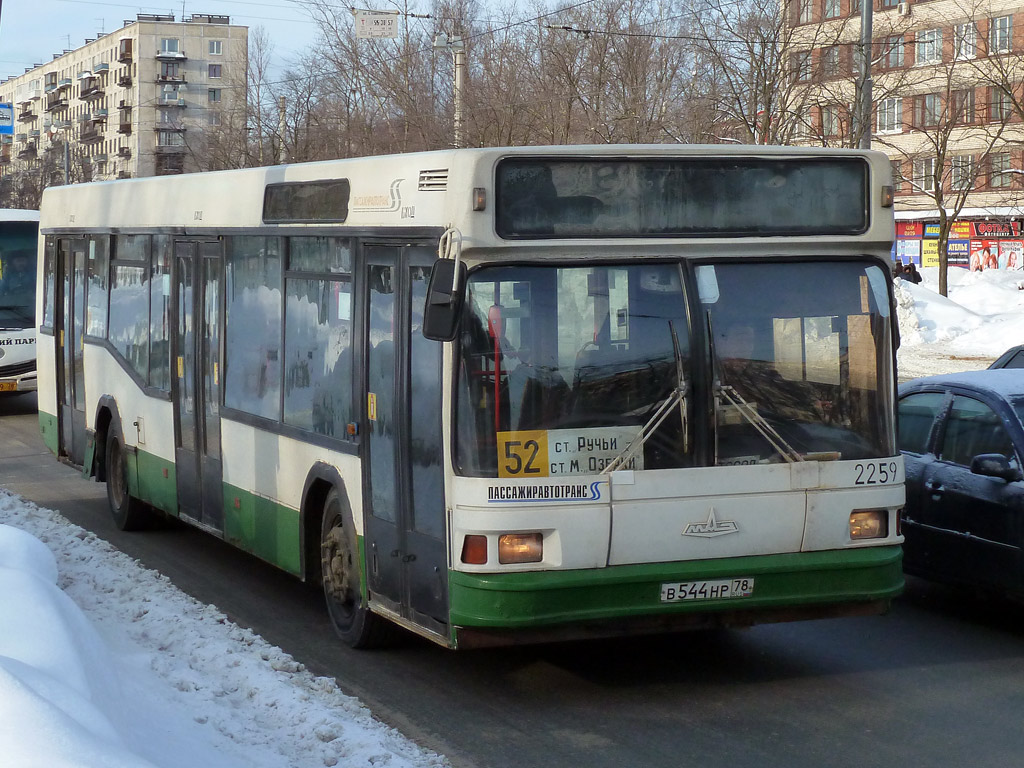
<point>135,102</point>
<point>948,90</point>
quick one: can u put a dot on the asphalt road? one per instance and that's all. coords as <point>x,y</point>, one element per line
<point>937,682</point>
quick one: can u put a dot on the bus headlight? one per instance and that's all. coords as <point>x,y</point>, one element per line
<point>869,524</point>
<point>520,548</point>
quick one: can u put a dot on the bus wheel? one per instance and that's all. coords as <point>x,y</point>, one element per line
<point>128,512</point>
<point>340,572</point>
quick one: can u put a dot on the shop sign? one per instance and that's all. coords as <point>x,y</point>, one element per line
<point>929,253</point>
<point>908,228</point>
<point>908,251</point>
<point>996,229</point>
<point>961,230</point>
<point>931,230</point>
<point>1011,254</point>
<point>958,252</point>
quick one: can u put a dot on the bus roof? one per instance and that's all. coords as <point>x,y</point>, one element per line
<point>415,191</point>
<point>18,214</point>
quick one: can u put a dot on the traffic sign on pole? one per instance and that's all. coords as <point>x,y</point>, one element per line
<point>6,119</point>
<point>376,24</point>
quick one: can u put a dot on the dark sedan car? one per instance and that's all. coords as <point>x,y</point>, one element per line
<point>963,443</point>
<point>1011,358</point>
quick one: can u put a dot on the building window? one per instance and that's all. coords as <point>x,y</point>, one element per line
<point>999,170</point>
<point>965,39</point>
<point>926,110</point>
<point>890,3</point>
<point>890,115</point>
<point>830,121</point>
<point>962,176</point>
<point>215,70</point>
<point>213,95</point>
<point>924,174</point>
<point>831,8</point>
<point>169,70</point>
<point>216,47</point>
<point>929,46</point>
<point>892,52</point>
<point>213,118</point>
<point>169,45</point>
<point>897,175</point>
<point>1000,105</point>
<point>802,65</point>
<point>854,6</point>
<point>1000,35</point>
<point>830,61</point>
<point>804,11</point>
<point>170,139</point>
<point>962,106</point>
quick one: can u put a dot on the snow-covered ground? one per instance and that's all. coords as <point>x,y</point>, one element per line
<point>981,317</point>
<point>104,664</point>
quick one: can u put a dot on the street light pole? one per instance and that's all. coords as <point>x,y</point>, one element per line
<point>457,48</point>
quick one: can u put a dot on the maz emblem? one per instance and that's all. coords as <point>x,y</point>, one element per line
<point>711,527</point>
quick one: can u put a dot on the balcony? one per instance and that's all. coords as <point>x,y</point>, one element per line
<point>124,51</point>
<point>125,126</point>
<point>26,115</point>
<point>30,152</point>
<point>34,133</point>
<point>91,88</point>
<point>170,80</point>
<point>124,152</point>
<point>170,56</point>
<point>64,82</point>
<point>124,81</point>
<point>91,135</point>
<point>101,67</point>
<point>56,100</point>
<point>100,115</point>
<point>5,158</point>
<point>171,101</point>
<point>170,149</point>
<point>124,174</point>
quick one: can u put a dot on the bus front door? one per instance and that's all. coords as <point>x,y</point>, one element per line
<point>69,324</point>
<point>407,566</point>
<point>196,389</point>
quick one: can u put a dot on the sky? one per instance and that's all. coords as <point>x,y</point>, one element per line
<point>104,663</point>
<point>31,31</point>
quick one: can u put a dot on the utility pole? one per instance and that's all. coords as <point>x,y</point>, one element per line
<point>282,127</point>
<point>457,48</point>
<point>864,86</point>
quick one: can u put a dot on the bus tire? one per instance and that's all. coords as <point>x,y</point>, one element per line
<point>128,512</point>
<point>341,576</point>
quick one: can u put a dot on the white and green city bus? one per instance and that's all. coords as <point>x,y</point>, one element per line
<point>18,246</point>
<point>498,395</point>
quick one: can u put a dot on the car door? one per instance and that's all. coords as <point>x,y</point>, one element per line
<point>919,414</point>
<point>978,516</point>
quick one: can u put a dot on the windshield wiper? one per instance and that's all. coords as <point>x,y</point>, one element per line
<point>676,397</point>
<point>746,410</point>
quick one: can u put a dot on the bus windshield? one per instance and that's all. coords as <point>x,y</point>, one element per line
<point>578,359</point>
<point>17,274</point>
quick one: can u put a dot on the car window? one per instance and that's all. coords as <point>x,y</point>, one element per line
<point>1017,361</point>
<point>916,414</point>
<point>973,428</point>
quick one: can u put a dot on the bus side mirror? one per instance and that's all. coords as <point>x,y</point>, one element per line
<point>445,294</point>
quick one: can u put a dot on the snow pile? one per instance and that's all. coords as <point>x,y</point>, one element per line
<point>982,316</point>
<point>121,669</point>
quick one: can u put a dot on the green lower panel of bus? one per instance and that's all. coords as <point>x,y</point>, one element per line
<point>48,429</point>
<point>536,599</point>
<point>267,529</point>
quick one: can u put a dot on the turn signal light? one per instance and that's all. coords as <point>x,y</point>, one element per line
<point>474,549</point>
<point>520,548</point>
<point>869,524</point>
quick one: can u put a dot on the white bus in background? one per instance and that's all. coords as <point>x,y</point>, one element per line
<point>19,237</point>
<point>643,388</point>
